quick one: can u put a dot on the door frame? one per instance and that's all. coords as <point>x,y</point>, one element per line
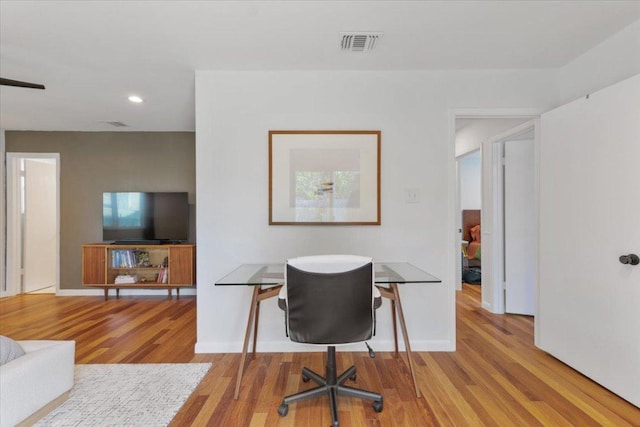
<point>3,213</point>
<point>493,256</point>
<point>455,237</point>
<point>13,217</point>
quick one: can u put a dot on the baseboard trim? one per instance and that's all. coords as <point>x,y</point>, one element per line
<point>123,292</point>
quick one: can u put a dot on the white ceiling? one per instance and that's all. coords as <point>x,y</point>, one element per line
<point>91,55</point>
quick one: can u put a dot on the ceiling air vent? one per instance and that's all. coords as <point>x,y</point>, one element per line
<point>360,41</point>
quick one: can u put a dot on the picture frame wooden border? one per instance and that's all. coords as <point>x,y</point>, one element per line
<point>324,177</point>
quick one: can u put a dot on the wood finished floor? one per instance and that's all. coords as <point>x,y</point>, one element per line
<point>495,378</point>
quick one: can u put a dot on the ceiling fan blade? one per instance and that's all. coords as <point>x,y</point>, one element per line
<point>17,83</point>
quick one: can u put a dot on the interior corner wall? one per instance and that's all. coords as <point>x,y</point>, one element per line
<point>93,162</point>
<point>234,112</point>
<point>612,61</point>
<point>470,137</point>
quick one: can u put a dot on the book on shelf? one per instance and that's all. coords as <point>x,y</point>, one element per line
<point>126,279</point>
<point>129,258</point>
<point>162,275</point>
<point>122,258</point>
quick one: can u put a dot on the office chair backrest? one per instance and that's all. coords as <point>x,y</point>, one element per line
<point>330,299</point>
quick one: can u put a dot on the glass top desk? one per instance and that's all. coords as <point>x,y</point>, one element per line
<point>267,279</point>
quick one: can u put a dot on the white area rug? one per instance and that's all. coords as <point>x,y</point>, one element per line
<point>127,394</point>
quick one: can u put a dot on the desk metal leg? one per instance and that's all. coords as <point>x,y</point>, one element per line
<point>393,295</point>
<point>255,329</point>
<point>258,295</point>
<point>252,312</point>
<point>395,324</point>
<point>405,334</point>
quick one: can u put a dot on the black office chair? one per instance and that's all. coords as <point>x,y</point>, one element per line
<point>330,300</point>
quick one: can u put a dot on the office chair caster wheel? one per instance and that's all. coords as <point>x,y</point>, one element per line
<point>305,379</point>
<point>377,406</point>
<point>283,410</point>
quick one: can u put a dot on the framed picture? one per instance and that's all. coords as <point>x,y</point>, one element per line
<point>324,177</point>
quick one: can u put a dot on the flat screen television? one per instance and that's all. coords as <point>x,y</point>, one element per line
<point>145,217</point>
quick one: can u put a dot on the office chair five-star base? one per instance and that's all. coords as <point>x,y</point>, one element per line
<point>331,386</point>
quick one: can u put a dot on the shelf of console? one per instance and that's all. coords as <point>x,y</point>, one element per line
<point>154,286</point>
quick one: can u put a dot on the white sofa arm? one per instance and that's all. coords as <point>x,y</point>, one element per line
<point>30,382</point>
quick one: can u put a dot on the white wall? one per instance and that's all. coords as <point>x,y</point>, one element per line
<point>613,60</point>
<point>470,181</point>
<point>235,111</point>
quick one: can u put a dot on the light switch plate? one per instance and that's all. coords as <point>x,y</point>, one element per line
<point>412,195</point>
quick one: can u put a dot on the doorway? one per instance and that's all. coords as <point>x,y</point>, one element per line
<point>509,198</point>
<point>470,190</point>
<point>490,134</point>
<point>33,248</point>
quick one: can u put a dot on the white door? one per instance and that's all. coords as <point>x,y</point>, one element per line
<point>589,302</point>
<point>520,231</point>
<point>19,253</point>
<point>508,188</point>
<point>40,224</point>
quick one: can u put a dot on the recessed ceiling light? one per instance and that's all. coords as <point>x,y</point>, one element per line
<point>135,98</point>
